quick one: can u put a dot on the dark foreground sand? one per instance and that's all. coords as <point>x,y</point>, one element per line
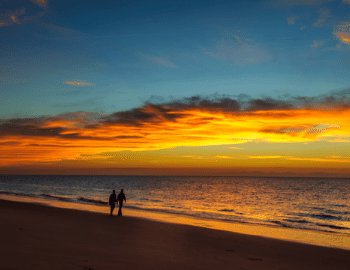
<point>41,237</point>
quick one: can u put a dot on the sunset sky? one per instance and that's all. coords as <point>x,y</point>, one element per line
<point>175,87</point>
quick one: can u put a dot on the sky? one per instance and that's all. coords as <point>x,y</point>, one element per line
<point>175,87</point>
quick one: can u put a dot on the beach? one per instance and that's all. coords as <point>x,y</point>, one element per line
<point>41,237</point>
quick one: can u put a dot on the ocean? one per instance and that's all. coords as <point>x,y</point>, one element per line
<point>314,204</point>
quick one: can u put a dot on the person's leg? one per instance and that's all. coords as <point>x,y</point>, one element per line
<point>112,208</point>
<point>120,209</point>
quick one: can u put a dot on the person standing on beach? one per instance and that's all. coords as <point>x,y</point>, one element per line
<point>120,199</point>
<point>112,201</point>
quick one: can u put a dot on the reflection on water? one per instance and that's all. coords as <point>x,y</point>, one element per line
<point>227,203</point>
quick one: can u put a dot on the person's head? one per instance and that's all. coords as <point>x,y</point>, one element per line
<point>121,191</point>
<point>113,190</point>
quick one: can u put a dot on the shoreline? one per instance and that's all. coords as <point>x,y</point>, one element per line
<point>45,237</point>
<point>303,236</point>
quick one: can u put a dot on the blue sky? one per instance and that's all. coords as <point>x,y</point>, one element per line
<point>107,56</point>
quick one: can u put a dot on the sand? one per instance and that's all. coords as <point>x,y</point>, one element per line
<point>42,237</point>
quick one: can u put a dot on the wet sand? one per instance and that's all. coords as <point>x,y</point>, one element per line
<point>42,237</point>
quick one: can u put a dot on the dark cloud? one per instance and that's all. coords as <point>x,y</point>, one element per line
<point>268,104</point>
<point>33,127</point>
<point>337,99</point>
<point>286,130</point>
<point>173,111</point>
<point>197,102</point>
<point>21,128</point>
<point>147,114</point>
<point>128,137</point>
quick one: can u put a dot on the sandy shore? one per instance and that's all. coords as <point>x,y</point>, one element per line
<point>42,237</point>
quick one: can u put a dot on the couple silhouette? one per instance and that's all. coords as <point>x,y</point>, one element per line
<point>119,200</point>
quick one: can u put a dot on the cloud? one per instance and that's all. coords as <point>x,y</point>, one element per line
<point>193,121</point>
<point>224,157</point>
<point>162,62</point>
<point>78,83</point>
<point>67,32</point>
<point>287,130</point>
<point>342,32</point>
<point>268,104</point>
<point>240,52</point>
<point>42,3</point>
<point>15,17</point>
<point>263,157</point>
<point>343,37</point>
<point>316,44</point>
<point>12,17</point>
<point>292,3</point>
<point>4,23</point>
<point>331,159</point>
<point>324,15</point>
<point>292,19</point>
<point>322,128</point>
<point>343,27</point>
<point>20,12</point>
<point>319,159</point>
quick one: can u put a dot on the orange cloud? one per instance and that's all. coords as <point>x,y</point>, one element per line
<point>197,122</point>
<point>78,83</point>
<point>342,32</point>
<point>292,19</point>
<point>20,15</point>
<point>4,23</point>
<point>267,157</point>
<point>42,3</point>
<point>316,44</point>
<point>343,37</point>
<point>331,159</point>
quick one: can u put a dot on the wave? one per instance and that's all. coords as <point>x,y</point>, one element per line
<point>149,200</point>
<point>337,212</point>
<point>339,205</point>
<point>65,199</point>
<point>227,210</point>
<point>319,216</point>
<point>83,199</point>
<point>326,216</point>
<point>296,220</point>
<point>277,222</point>
<point>332,226</point>
<point>17,193</point>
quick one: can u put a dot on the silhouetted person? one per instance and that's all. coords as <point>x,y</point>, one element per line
<point>120,199</point>
<point>112,201</point>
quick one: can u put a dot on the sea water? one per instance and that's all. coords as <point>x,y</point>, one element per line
<point>314,204</point>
